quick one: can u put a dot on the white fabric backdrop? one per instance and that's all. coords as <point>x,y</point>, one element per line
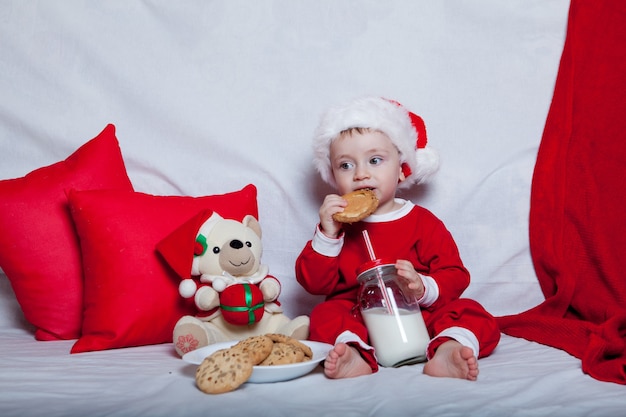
<point>208,96</point>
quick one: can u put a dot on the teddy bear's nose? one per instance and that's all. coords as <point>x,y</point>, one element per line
<point>236,244</point>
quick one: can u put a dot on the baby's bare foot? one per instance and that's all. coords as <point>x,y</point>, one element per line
<point>453,360</point>
<point>344,361</point>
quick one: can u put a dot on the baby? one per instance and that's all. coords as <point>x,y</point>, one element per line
<point>377,144</point>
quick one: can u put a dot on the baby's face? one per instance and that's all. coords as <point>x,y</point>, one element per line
<point>367,160</point>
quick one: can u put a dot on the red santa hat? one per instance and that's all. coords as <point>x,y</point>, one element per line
<point>405,129</point>
<point>181,246</point>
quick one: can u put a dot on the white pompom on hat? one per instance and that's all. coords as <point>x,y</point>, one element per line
<point>405,129</point>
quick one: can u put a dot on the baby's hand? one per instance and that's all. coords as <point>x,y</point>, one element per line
<point>415,283</point>
<point>332,204</point>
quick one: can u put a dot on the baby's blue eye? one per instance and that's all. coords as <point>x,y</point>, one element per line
<point>376,160</point>
<point>345,165</point>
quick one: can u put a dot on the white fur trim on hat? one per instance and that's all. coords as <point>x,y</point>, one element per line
<point>383,115</point>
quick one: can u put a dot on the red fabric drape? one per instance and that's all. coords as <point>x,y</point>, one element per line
<point>578,199</point>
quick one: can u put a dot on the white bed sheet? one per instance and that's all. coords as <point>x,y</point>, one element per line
<point>522,379</point>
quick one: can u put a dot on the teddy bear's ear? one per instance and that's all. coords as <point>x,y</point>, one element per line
<point>251,222</point>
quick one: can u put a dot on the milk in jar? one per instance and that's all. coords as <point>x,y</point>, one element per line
<point>392,315</point>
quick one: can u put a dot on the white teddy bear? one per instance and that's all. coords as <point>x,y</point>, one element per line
<point>233,292</point>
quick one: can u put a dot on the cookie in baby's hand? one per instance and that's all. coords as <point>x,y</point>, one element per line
<point>361,203</point>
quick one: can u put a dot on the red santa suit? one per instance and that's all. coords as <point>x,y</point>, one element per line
<point>328,267</point>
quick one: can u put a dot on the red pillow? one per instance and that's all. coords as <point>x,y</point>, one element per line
<point>131,296</point>
<point>39,249</point>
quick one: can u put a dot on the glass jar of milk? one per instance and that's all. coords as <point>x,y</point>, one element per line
<point>392,315</point>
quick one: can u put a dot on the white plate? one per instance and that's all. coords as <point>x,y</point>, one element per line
<point>274,373</point>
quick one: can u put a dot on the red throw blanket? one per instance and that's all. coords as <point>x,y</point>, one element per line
<point>578,199</point>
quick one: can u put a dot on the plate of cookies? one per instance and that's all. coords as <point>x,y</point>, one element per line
<point>223,367</point>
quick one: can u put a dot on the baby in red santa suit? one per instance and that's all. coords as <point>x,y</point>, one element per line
<point>378,144</point>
